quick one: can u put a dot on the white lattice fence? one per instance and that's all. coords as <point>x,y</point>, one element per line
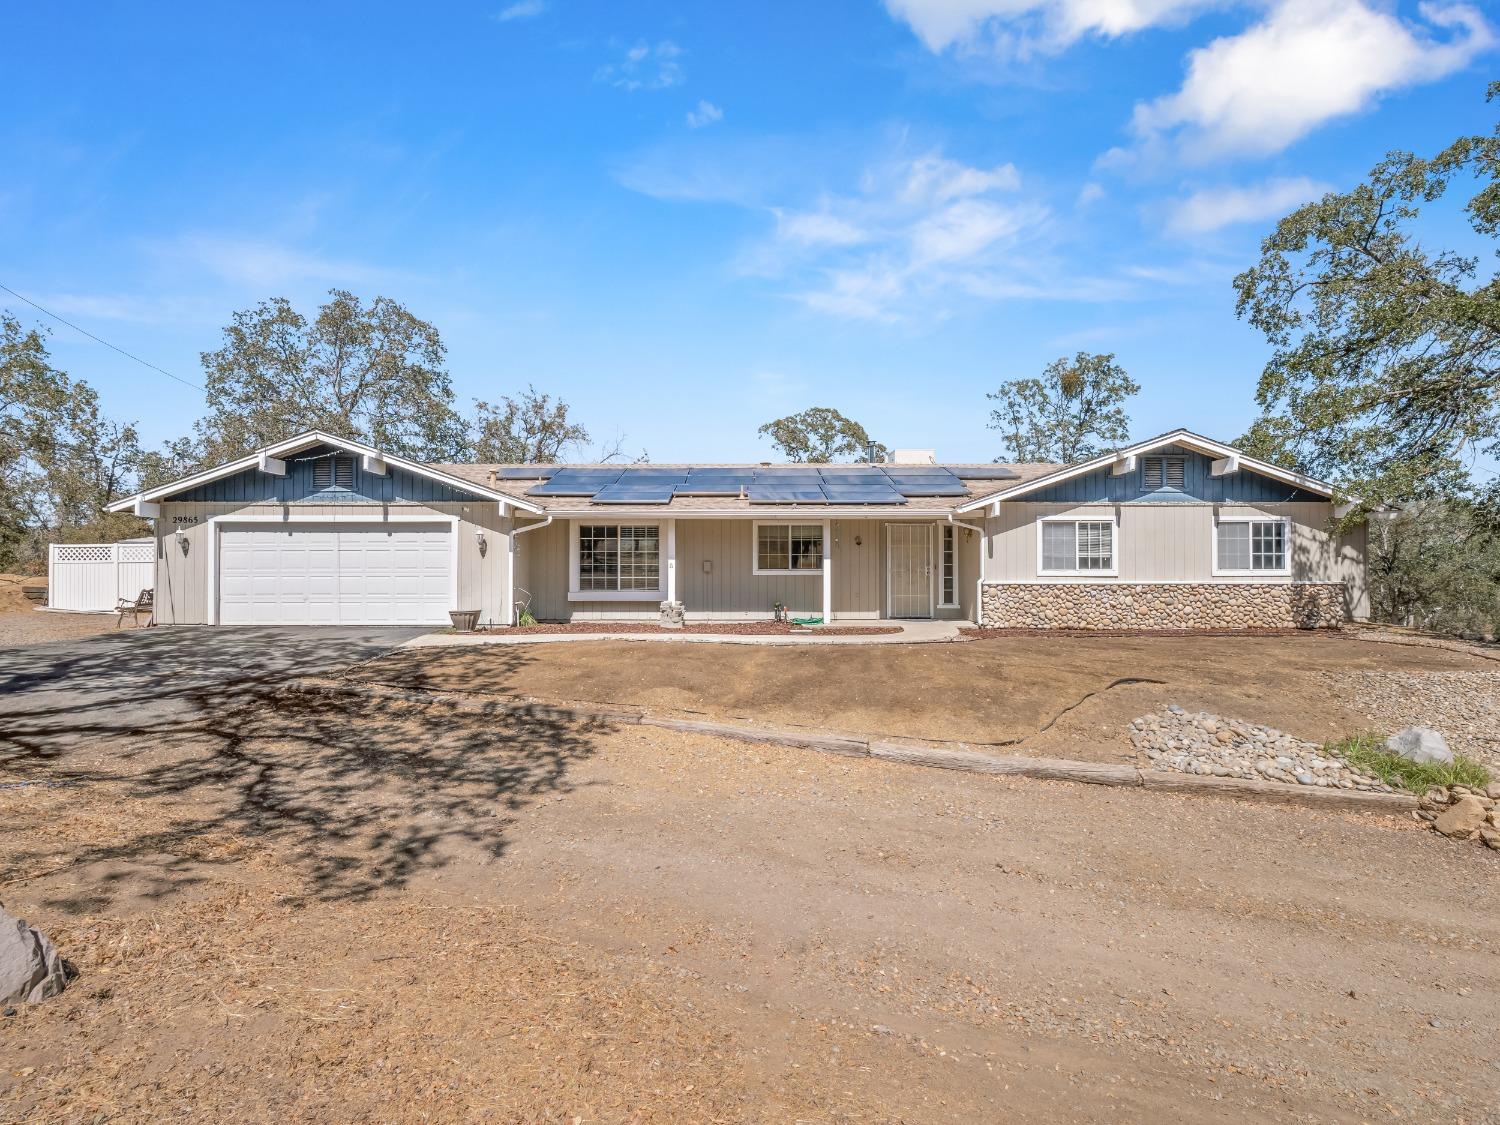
<point>95,576</point>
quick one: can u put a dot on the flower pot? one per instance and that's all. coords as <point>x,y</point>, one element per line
<point>464,620</point>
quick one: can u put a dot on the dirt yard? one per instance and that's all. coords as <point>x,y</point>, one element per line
<point>34,626</point>
<point>1054,696</point>
<point>283,909</point>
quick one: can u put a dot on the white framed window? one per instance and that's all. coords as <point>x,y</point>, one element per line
<point>787,548</point>
<point>947,565</point>
<point>1079,547</point>
<point>616,562</point>
<point>1252,545</point>
<point>1163,472</point>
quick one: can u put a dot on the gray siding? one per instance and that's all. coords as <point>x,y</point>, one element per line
<point>184,588</point>
<point>730,590</point>
<point>1174,543</point>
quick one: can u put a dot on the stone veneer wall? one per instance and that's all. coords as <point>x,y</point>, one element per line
<point>1187,605</point>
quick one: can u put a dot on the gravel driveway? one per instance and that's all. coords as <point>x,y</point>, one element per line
<point>296,909</point>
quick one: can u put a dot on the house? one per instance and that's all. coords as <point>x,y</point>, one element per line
<point>1176,532</point>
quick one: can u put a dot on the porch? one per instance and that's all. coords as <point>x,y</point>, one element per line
<point>736,569</point>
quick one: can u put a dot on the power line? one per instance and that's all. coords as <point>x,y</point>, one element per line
<point>97,339</point>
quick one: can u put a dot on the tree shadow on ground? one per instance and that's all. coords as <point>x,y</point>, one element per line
<point>359,796</point>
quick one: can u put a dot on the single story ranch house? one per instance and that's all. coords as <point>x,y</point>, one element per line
<point>1174,532</point>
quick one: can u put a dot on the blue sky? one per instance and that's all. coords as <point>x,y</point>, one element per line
<point>687,220</point>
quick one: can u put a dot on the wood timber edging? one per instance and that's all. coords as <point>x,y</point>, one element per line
<point>967,761</point>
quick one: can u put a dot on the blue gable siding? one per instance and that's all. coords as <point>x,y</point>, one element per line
<point>255,487</point>
<point>1199,486</point>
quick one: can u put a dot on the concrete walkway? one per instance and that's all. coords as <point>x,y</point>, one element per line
<point>912,633</point>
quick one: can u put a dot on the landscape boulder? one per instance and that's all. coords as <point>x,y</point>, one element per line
<point>1422,745</point>
<point>1463,819</point>
<point>30,968</point>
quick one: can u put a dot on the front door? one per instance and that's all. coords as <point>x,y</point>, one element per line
<point>909,569</point>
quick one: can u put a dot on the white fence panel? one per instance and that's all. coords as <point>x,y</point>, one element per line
<point>89,577</point>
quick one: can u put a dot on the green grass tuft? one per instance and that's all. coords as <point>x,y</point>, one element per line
<point>1367,752</point>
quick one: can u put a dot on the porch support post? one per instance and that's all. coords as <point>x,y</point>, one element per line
<point>671,560</point>
<point>827,572</point>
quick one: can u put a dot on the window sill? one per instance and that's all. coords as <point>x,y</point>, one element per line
<point>1252,573</point>
<point>617,595</point>
<point>788,573</point>
<point>1078,574</point>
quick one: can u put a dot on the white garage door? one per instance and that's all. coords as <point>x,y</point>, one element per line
<point>335,574</point>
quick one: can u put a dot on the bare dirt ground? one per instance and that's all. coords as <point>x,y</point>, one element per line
<point>286,909</point>
<point>1052,696</point>
<point>33,626</point>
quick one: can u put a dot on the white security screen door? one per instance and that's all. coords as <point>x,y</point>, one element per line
<point>909,569</point>
<point>333,574</point>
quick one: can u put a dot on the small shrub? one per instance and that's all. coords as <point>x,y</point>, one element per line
<point>1367,752</point>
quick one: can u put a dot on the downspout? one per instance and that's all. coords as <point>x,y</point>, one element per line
<point>979,577</point>
<point>516,533</point>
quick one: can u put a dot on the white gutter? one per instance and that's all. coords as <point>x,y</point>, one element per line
<point>510,581</point>
<point>978,578</point>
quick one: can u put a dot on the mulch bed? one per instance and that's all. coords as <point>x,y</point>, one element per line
<point>720,628</point>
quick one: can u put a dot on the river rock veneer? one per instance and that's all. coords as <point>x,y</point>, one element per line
<point>1201,743</point>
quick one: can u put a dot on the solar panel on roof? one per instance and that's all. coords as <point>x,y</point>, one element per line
<point>786,494</point>
<point>634,494</point>
<point>986,472</point>
<point>576,482</point>
<point>916,470</point>
<point>644,475</point>
<point>932,488</point>
<point>846,494</point>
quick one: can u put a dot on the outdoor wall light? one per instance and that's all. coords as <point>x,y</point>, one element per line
<point>182,540</point>
<point>481,541</point>
<point>859,541</point>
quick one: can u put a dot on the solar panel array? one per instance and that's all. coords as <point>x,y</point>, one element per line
<point>782,484</point>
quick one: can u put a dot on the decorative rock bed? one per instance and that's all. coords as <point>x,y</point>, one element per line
<point>1201,743</point>
<point>1163,605</point>
<point>1461,813</point>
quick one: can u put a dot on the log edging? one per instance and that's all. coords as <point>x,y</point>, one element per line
<point>1121,775</point>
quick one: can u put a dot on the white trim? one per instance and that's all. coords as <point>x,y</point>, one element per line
<point>827,572</point>
<point>576,595</point>
<point>805,572</point>
<point>216,523</point>
<point>274,466</point>
<point>1177,437</point>
<point>764,513</point>
<point>318,437</point>
<point>1223,466</point>
<point>671,560</point>
<point>374,464</point>
<point>1073,517</point>
<point>1279,572</point>
<point>937,558</point>
<point>145,509</point>
<point>889,593</point>
<point>1125,463</point>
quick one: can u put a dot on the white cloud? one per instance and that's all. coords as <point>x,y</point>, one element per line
<point>644,66</point>
<point>706,113</point>
<point>933,177</point>
<point>920,232</point>
<point>1023,26</point>
<point>818,228</point>
<point>1090,194</point>
<point>1213,208</point>
<point>256,263</point>
<point>522,10</point>
<point>1307,62</point>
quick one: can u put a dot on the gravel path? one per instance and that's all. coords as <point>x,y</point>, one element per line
<point>1465,706</point>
